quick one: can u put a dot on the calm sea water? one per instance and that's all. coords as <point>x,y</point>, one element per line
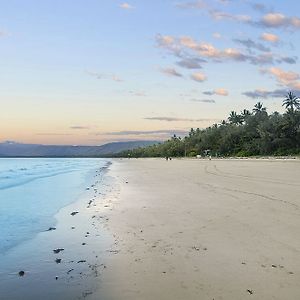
<point>33,190</point>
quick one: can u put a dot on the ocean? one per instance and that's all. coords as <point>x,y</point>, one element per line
<point>41,193</point>
<point>32,190</point>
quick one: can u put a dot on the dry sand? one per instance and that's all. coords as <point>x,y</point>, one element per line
<point>200,229</point>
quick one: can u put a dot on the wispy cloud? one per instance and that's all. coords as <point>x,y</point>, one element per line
<point>126,5</point>
<point>164,40</point>
<point>224,1</point>
<point>250,44</point>
<point>105,76</point>
<point>279,20</point>
<point>145,132</point>
<point>186,46</point>
<point>172,45</point>
<point>170,72</point>
<point>53,133</point>
<point>260,7</point>
<point>219,92</point>
<point>287,59</point>
<point>2,33</point>
<point>286,78</point>
<point>200,4</point>
<point>203,100</point>
<point>138,93</point>
<point>283,76</point>
<point>217,35</point>
<point>216,14</point>
<point>174,119</point>
<point>116,78</point>
<point>270,19</point>
<point>191,63</point>
<point>78,127</point>
<point>221,15</point>
<point>95,74</point>
<point>262,93</point>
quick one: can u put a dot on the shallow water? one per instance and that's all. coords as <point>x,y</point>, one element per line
<point>28,207</point>
<point>32,191</point>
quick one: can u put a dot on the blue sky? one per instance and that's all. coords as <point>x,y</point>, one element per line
<point>90,72</point>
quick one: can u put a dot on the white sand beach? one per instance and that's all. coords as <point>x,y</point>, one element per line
<point>200,229</point>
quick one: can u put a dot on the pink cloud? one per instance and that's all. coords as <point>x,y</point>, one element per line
<point>198,76</point>
<point>270,37</point>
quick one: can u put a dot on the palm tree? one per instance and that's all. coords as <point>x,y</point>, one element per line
<point>234,118</point>
<point>259,108</point>
<point>291,101</point>
<point>245,113</point>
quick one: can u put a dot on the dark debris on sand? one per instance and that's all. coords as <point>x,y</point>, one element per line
<point>51,229</point>
<point>58,250</point>
<point>250,292</point>
<point>21,273</point>
<point>81,261</point>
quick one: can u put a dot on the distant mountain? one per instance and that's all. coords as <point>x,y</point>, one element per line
<point>12,149</point>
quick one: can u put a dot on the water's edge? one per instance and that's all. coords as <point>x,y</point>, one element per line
<point>73,272</point>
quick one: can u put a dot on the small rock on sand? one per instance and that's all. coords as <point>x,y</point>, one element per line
<point>58,250</point>
<point>81,261</point>
<point>51,228</point>
<point>274,266</point>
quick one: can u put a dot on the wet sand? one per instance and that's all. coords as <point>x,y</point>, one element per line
<point>200,229</point>
<point>68,261</point>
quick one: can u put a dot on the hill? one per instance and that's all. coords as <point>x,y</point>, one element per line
<point>12,149</point>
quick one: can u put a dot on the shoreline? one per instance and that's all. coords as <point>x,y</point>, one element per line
<point>182,229</point>
<point>73,272</point>
<point>292,156</point>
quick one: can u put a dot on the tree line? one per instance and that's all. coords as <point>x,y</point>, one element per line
<point>248,133</point>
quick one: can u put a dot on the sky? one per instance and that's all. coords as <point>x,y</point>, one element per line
<point>88,72</point>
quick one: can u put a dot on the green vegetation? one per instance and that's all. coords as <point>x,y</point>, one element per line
<point>245,134</point>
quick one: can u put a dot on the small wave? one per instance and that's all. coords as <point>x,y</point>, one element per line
<point>20,181</point>
<point>23,215</point>
<point>12,177</point>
